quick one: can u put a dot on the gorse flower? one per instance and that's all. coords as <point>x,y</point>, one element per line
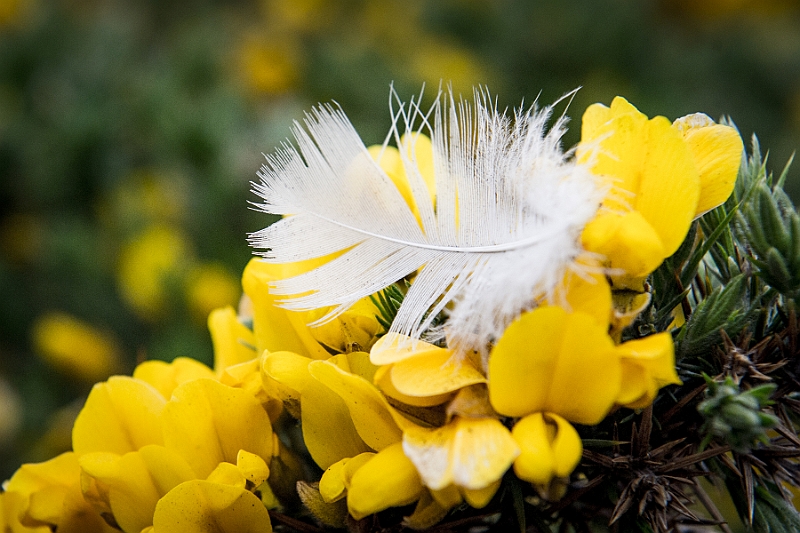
<point>520,334</point>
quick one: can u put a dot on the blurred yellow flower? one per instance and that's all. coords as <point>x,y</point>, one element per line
<point>144,197</point>
<point>148,265</point>
<point>270,66</point>
<point>210,286</point>
<point>75,347</point>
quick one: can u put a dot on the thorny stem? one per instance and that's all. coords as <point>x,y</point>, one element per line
<point>708,503</point>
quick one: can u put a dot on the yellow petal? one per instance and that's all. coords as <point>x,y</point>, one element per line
<point>554,361</point>
<point>277,329</point>
<point>470,453</point>
<point>233,341</point>
<point>12,505</point>
<point>588,292</point>
<point>627,242</point>
<point>166,376</point>
<point>227,474</point>
<point>670,184</point>
<point>284,375</point>
<point>247,376</point>
<point>480,498</point>
<point>331,484</point>
<point>208,423</point>
<point>717,152</point>
<point>394,347</point>
<point>388,479</point>
<point>43,487</point>
<point>368,409</point>
<point>550,448</point>
<point>648,364</point>
<point>614,138</point>
<point>204,507</point>
<point>328,430</point>
<point>133,483</point>
<point>253,467</point>
<point>120,415</point>
<point>433,374</point>
<point>383,380</point>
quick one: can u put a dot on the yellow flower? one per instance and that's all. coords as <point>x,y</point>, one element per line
<point>165,377</point>
<point>130,485</point>
<point>550,448</point>
<point>552,367</point>
<point>200,506</point>
<point>208,423</point>
<point>76,347</point>
<point>48,495</point>
<point>418,373</point>
<point>717,151</point>
<point>387,479</point>
<point>209,286</point>
<point>233,342</point>
<point>647,365</point>
<point>146,266</point>
<point>470,453</point>
<point>552,361</point>
<point>660,176</point>
<point>278,329</point>
<point>139,438</point>
<point>121,415</point>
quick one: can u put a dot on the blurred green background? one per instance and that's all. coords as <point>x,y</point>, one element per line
<point>129,132</point>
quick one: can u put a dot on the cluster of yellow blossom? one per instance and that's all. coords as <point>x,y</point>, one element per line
<point>391,421</point>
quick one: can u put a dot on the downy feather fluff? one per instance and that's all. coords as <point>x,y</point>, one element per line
<point>505,225</point>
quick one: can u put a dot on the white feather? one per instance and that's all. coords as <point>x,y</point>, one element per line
<point>510,206</point>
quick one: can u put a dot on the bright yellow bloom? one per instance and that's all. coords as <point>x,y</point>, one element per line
<point>418,373</point>
<point>387,479</point>
<point>121,415</point>
<point>660,176</point>
<point>208,423</point>
<point>647,365</point>
<point>76,347</point>
<point>130,485</point>
<point>200,506</point>
<point>552,367</point>
<point>470,453</point>
<point>165,377</point>
<point>278,329</point>
<point>49,495</point>
<point>552,361</point>
<point>550,448</point>
<point>717,151</point>
<point>234,342</point>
